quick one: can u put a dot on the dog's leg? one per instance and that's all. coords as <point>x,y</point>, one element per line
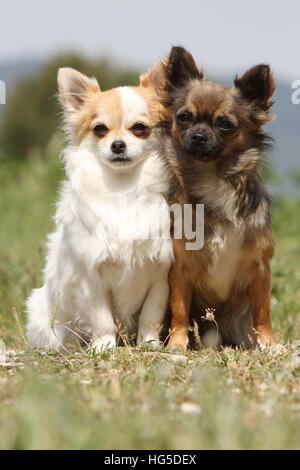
<point>259,295</point>
<point>153,311</point>
<point>101,322</point>
<point>180,300</point>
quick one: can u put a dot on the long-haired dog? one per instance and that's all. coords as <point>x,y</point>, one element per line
<point>216,149</point>
<point>102,265</point>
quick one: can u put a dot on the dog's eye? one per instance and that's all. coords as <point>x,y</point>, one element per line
<point>184,118</point>
<point>100,130</point>
<point>225,125</point>
<point>139,129</point>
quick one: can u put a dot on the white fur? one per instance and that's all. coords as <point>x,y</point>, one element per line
<point>99,278</point>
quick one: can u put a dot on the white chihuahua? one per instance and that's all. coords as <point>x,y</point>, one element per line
<point>100,265</point>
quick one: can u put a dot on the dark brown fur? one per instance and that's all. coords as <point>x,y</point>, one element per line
<point>219,167</point>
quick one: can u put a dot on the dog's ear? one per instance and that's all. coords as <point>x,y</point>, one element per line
<point>181,68</point>
<point>74,88</point>
<point>257,86</point>
<point>155,77</point>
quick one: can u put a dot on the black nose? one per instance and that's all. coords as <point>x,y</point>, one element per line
<point>118,146</point>
<point>199,139</point>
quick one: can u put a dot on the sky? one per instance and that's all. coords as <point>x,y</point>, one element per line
<point>224,36</point>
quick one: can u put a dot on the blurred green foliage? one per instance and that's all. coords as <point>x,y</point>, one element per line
<point>33,114</point>
<point>269,175</point>
<point>295,176</point>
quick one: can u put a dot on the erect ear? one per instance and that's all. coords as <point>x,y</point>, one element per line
<point>181,68</point>
<point>257,86</point>
<point>74,87</point>
<point>155,77</point>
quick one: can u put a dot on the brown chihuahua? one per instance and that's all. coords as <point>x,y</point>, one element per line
<point>218,146</point>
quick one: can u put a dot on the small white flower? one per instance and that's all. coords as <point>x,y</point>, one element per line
<point>190,408</point>
<point>210,314</point>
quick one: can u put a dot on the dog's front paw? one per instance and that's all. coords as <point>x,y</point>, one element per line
<point>102,343</point>
<point>265,339</point>
<point>148,335</point>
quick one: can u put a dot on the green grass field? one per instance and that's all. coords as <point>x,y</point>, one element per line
<point>137,398</point>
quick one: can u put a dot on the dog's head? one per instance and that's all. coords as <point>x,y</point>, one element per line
<point>209,120</point>
<point>116,125</point>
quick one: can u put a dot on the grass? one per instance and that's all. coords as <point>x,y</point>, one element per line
<point>136,398</point>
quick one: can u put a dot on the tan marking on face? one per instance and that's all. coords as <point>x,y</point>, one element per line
<point>156,109</point>
<point>208,98</point>
<point>222,113</point>
<point>110,108</point>
<point>107,108</point>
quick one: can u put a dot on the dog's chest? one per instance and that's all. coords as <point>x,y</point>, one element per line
<point>225,250</point>
<point>127,287</point>
<point>134,231</point>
